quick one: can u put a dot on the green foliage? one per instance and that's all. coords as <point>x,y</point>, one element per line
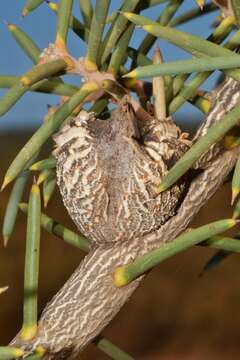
<point>107,60</point>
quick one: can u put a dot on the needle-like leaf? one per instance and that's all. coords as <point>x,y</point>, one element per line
<point>29,327</point>
<point>201,146</point>
<point>125,274</point>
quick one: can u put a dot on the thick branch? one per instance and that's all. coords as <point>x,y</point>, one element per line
<point>89,299</point>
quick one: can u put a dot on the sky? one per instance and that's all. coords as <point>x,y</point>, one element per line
<point>41,26</point>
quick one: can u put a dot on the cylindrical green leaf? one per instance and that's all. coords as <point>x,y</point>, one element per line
<point>223,243</point>
<point>45,174</point>
<point>86,11</point>
<point>74,23</point>
<point>138,58</point>
<point>235,4</point>
<point>117,28</point>
<point>42,71</point>
<point>64,14</point>
<point>49,186</point>
<point>95,35</point>
<point>25,42</point>
<point>119,54</point>
<point>236,181</point>
<point>11,97</point>
<point>185,67</point>
<point>10,352</point>
<point>51,86</point>
<point>189,91</point>
<point>48,163</point>
<point>99,106</point>
<point>165,17</point>
<point>31,5</point>
<point>111,349</point>
<point>191,43</point>
<point>193,14</point>
<point>53,227</point>
<point>236,212</point>
<point>125,274</point>
<point>32,253</point>
<point>12,206</point>
<point>45,131</point>
<point>201,146</point>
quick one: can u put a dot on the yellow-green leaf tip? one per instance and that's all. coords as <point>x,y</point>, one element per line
<point>235,192</point>
<point>11,27</point>
<point>25,12</point>
<point>160,189</point>
<point>33,167</point>
<point>131,74</point>
<point>200,3</point>
<point>52,5</point>
<point>119,278</point>
<point>45,202</point>
<point>6,181</point>
<point>23,206</point>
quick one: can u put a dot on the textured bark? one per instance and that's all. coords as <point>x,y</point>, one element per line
<point>89,300</point>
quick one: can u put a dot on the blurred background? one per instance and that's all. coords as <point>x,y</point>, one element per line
<point>175,314</point>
